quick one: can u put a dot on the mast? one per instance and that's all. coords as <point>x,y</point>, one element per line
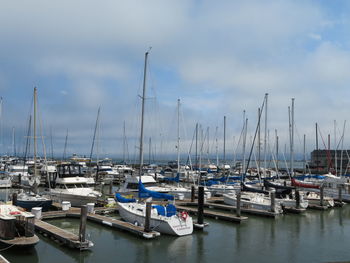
<point>277,146</point>
<point>224,142</point>
<point>14,140</point>
<point>335,147</point>
<point>317,153</point>
<point>217,147</point>
<point>304,148</point>
<point>265,136</point>
<point>34,131</point>
<point>259,142</point>
<point>124,143</point>
<point>178,135</point>
<point>292,141</point>
<point>51,142</point>
<point>142,113</point>
<point>1,139</point>
<point>65,146</point>
<point>196,161</point>
<point>149,150</point>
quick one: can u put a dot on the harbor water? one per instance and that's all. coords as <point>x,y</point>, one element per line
<point>315,236</point>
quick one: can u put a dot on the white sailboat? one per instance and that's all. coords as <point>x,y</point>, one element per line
<point>164,219</point>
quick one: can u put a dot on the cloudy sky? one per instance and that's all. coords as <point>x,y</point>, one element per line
<point>218,57</point>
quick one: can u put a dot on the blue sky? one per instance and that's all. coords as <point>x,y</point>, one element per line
<point>218,57</point>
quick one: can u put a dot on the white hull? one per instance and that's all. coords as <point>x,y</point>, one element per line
<point>135,213</point>
<point>74,199</point>
<point>257,202</point>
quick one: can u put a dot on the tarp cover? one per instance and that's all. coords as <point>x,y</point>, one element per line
<point>145,193</point>
<point>122,199</point>
<point>175,179</point>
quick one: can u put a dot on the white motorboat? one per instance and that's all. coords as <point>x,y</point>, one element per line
<point>252,200</point>
<point>71,185</point>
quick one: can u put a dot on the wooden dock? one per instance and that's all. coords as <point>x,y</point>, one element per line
<point>214,214</point>
<point>216,204</point>
<point>61,235</point>
<point>118,224</point>
<point>107,221</point>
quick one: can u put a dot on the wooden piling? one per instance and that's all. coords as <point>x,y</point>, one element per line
<point>200,204</point>
<point>238,205</point>
<point>148,217</point>
<point>273,201</point>
<point>110,187</point>
<point>340,197</point>
<point>321,195</point>
<point>82,229</point>
<point>192,193</point>
<point>297,198</point>
<point>14,199</point>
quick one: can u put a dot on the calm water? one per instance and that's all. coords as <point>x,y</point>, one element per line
<point>316,236</point>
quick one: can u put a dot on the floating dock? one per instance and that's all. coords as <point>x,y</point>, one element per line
<point>61,235</point>
<point>107,221</point>
<point>217,204</point>
<point>118,224</point>
<point>214,214</point>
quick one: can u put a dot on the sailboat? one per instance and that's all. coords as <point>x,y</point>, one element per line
<point>28,200</point>
<point>164,219</point>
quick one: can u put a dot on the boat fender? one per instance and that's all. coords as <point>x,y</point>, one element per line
<point>15,213</point>
<point>184,215</point>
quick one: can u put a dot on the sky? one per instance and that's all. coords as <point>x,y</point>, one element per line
<point>218,57</point>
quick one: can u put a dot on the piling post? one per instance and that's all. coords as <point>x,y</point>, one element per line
<point>273,200</point>
<point>148,217</point>
<point>110,187</point>
<point>200,205</point>
<point>340,197</point>
<point>321,195</point>
<point>14,199</point>
<point>82,228</point>
<point>238,204</point>
<point>297,198</point>
<point>192,193</point>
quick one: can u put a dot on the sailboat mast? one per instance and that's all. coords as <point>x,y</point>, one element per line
<point>292,140</point>
<point>265,136</point>
<point>34,129</point>
<point>51,143</point>
<point>124,143</point>
<point>142,113</point>
<point>178,135</point>
<point>224,142</point>
<point>216,147</point>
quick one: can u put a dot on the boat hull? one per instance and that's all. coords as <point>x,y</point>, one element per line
<point>28,205</point>
<point>75,200</point>
<point>166,225</point>
<point>21,242</point>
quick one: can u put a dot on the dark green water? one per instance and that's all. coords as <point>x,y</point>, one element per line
<point>316,236</point>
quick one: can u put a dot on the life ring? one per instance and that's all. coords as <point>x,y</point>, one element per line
<point>184,215</point>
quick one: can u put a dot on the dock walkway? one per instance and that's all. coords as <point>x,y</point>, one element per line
<point>61,235</point>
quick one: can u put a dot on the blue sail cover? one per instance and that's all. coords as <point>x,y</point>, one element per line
<point>145,193</point>
<point>122,199</point>
<point>175,179</point>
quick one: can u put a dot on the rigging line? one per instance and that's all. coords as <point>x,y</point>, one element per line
<point>256,132</point>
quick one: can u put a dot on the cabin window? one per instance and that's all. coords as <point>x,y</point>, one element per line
<point>133,185</point>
